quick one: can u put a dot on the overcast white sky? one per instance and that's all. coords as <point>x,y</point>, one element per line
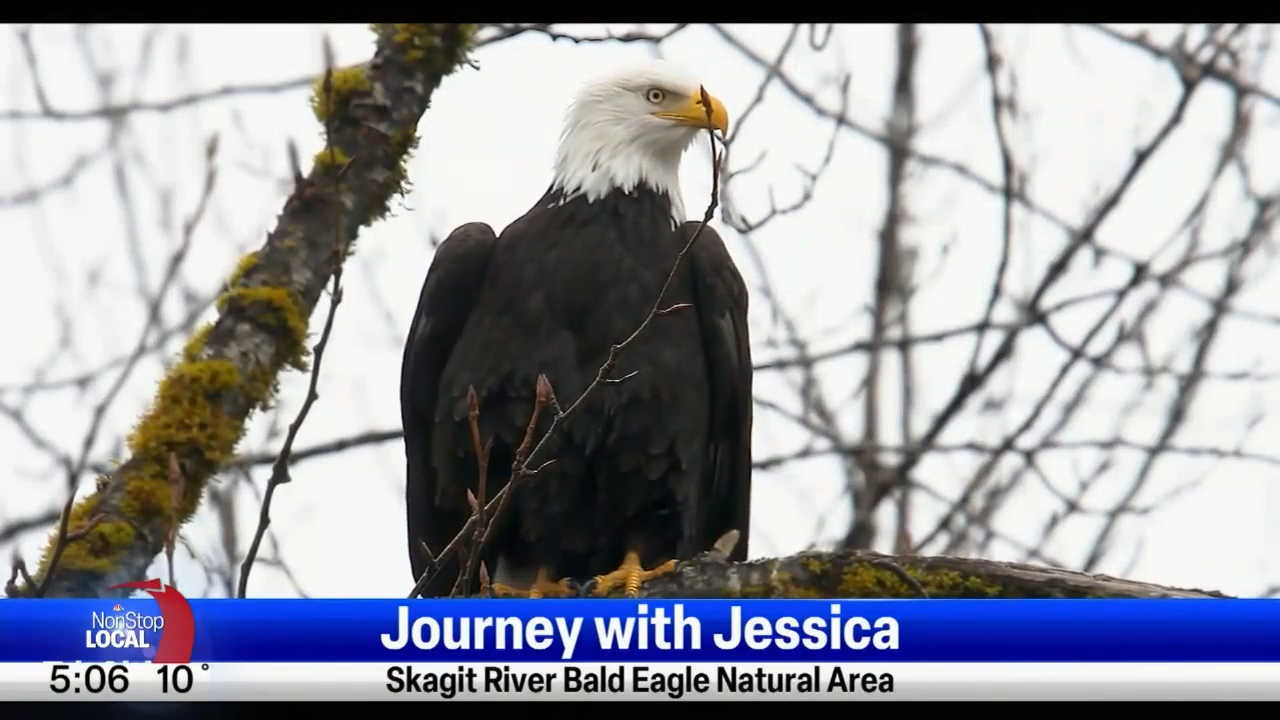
<point>485,154</point>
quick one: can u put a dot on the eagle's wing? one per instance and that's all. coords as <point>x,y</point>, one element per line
<point>720,299</point>
<point>449,294</point>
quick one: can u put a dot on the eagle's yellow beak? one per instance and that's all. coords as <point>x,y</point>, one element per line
<point>693,112</point>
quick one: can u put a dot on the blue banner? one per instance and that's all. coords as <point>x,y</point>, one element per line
<point>643,631</point>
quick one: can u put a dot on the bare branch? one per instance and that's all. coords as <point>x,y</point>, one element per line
<point>111,112</point>
<point>228,371</point>
<point>865,574</point>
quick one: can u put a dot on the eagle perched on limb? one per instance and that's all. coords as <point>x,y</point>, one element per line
<point>646,470</point>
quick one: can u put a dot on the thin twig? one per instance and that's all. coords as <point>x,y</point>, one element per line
<point>65,538</point>
<point>481,450</point>
<point>902,574</point>
<point>108,112</point>
<point>19,570</point>
<point>544,397</point>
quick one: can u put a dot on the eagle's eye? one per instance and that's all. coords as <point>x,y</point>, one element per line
<point>655,95</point>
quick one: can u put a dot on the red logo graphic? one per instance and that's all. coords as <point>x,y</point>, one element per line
<point>179,634</point>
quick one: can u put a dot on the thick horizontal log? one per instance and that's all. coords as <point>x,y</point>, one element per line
<point>861,574</point>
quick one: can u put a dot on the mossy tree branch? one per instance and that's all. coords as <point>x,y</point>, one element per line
<point>862,574</point>
<point>229,368</point>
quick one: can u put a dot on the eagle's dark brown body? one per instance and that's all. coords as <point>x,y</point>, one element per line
<point>660,462</point>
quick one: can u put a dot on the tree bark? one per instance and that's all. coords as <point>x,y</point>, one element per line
<point>228,370</point>
<point>864,574</point>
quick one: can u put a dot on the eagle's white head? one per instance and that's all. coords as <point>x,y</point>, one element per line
<point>631,128</point>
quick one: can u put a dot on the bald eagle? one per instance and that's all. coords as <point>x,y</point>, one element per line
<point>646,471</point>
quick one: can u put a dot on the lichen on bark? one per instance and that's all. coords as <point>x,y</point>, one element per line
<point>229,368</point>
<point>860,574</point>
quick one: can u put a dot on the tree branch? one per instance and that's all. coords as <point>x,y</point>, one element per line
<point>229,369</point>
<point>866,574</point>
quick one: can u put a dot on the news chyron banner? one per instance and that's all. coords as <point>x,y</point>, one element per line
<point>159,646</point>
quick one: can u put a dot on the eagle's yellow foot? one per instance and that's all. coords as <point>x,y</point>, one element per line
<point>629,576</point>
<point>543,587</point>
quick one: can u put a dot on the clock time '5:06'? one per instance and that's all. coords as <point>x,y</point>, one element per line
<point>95,679</point>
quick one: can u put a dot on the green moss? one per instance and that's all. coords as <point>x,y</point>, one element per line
<point>420,39</point>
<point>344,82</point>
<point>187,413</point>
<point>863,580</point>
<point>97,550</point>
<point>784,585</point>
<point>265,383</point>
<point>195,344</point>
<point>246,263</point>
<point>331,157</point>
<point>185,419</point>
<point>277,309</point>
<point>780,584</point>
<point>81,514</point>
<point>273,307</point>
<point>437,49</point>
<point>403,143</point>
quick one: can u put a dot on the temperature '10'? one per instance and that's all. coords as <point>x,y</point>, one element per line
<point>177,678</point>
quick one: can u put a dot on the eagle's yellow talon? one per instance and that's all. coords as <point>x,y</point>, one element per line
<point>506,591</point>
<point>629,576</point>
<point>543,587</point>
